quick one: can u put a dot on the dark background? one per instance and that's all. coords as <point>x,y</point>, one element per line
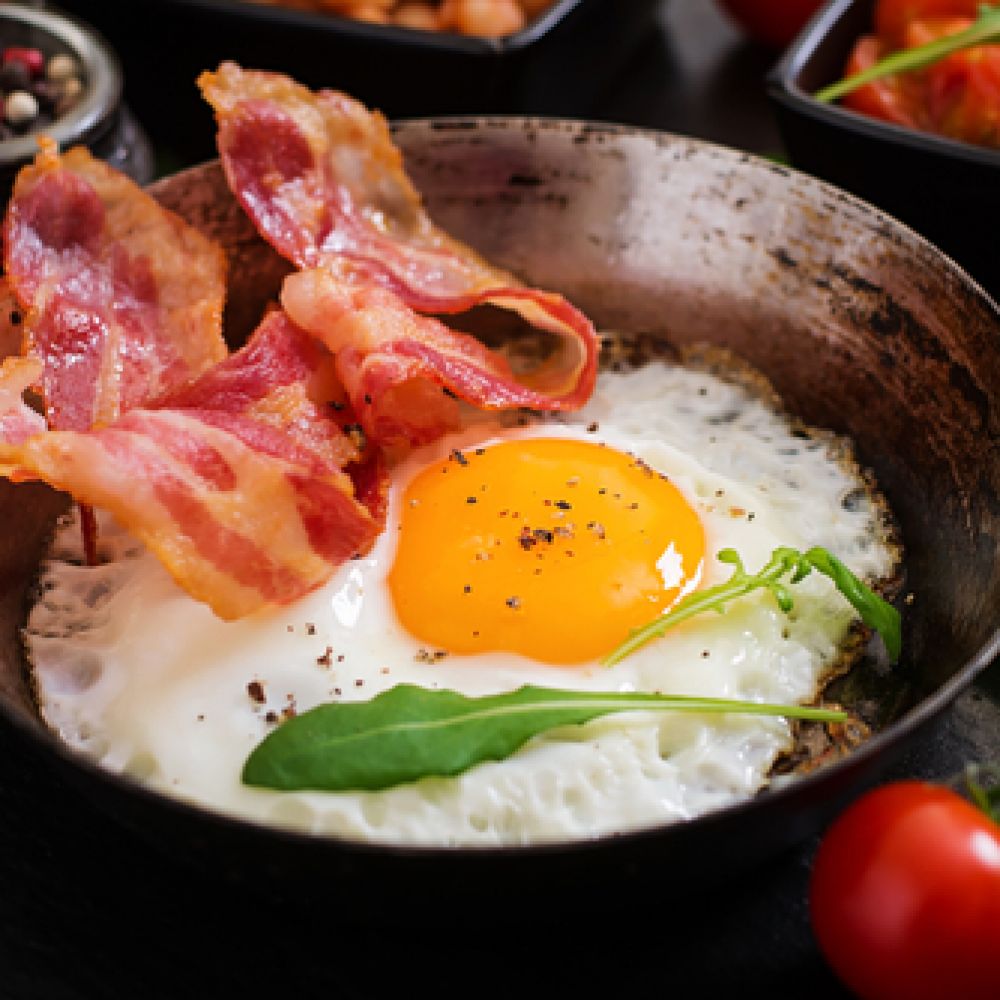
<point>89,911</point>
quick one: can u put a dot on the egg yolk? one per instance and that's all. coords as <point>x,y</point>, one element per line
<point>550,548</point>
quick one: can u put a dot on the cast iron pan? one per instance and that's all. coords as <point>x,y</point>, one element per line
<point>860,324</point>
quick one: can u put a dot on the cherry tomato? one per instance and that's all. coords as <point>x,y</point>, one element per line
<point>892,16</point>
<point>905,896</point>
<point>773,22</point>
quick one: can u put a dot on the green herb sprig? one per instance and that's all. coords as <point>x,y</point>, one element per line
<point>982,787</point>
<point>785,562</point>
<point>410,732</point>
<point>984,31</point>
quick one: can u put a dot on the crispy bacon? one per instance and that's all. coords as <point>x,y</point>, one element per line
<point>252,476</point>
<point>11,322</point>
<point>235,481</point>
<point>18,421</point>
<point>123,299</point>
<point>320,177</point>
<point>324,184</point>
<point>392,360</point>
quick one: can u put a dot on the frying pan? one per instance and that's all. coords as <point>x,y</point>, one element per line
<point>861,325</point>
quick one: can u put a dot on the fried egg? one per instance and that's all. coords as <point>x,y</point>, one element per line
<point>518,550</point>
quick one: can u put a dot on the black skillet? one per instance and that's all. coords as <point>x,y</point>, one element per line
<point>862,327</point>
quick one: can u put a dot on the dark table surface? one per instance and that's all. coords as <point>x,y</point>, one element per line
<point>89,911</point>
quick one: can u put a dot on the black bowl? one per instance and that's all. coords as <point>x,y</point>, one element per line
<point>557,65</point>
<point>948,191</point>
<point>861,325</point>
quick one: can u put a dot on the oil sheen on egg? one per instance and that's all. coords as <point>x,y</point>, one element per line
<point>515,552</point>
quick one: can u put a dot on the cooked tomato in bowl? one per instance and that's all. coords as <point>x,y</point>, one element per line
<point>957,96</point>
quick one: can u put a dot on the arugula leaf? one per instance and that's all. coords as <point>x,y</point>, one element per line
<point>982,787</point>
<point>984,31</point>
<point>410,732</point>
<point>875,612</point>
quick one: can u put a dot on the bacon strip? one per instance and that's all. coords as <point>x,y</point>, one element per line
<point>18,421</point>
<point>329,183</point>
<point>392,361</point>
<point>235,481</point>
<point>11,322</point>
<point>123,299</point>
<point>252,476</point>
<point>319,176</point>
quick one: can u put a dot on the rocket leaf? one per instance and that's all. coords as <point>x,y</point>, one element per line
<point>875,612</point>
<point>410,732</point>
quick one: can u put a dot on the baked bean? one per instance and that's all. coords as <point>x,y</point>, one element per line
<point>486,18</point>
<point>370,12</point>
<point>417,15</point>
<point>532,8</point>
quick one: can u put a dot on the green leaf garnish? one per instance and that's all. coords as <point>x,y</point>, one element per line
<point>785,562</point>
<point>984,31</point>
<point>982,786</point>
<point>409,732</point>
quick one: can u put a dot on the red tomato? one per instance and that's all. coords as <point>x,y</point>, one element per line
<point>961,91</point>
<point>892,98</point>
<point>892,16</point>
<point>958,96</point>
<point>922,30</point>
<point>773,22</point>
<point>905,896</point>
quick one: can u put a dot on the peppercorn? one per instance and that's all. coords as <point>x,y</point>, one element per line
<point>20,107</point>
<point>32,59</point>
<point>14,76</point>
<point>35,89</point>
<point>61,67</point>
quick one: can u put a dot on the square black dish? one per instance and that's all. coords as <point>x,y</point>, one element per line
<point>948,191</point>
<point>557,65</point>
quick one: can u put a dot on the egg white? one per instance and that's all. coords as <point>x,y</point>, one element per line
<point>133,672</point>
